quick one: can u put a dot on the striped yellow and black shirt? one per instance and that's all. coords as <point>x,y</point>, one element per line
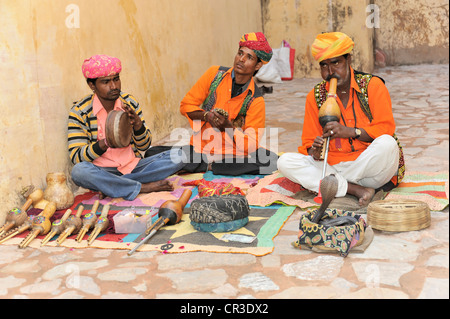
<point>82,130</point>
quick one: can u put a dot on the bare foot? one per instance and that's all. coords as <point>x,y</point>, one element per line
<point>157,186</point>
<point>364,194</point>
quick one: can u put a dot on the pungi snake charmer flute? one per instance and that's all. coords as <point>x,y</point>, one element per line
<point>29,222</point>
<point>88,221</point>
<point>15,217</point>
<point>73,225</point>
<point>37,197</point>
<point>170,213</point>
<point>100,225</point>
<point>329,111</point>
<point>57,227</point>
<point>41,224</point>
<point>19,229</point>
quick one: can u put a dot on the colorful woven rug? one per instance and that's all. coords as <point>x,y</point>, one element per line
<point>277,189</point>
<point>244,182</point>
<point>255,238</point>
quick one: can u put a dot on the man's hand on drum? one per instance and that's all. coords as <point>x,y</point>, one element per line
<point>135,120</point>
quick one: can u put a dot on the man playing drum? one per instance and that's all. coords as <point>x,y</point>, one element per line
<point>363,152</point>
<point>115,172</point>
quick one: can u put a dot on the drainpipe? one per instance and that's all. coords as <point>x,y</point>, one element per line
<point>330,16</point>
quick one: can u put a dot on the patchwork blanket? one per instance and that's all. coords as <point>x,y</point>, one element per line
<point>430,187</point>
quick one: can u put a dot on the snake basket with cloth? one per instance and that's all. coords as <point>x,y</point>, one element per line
<point>118,130</point>
<point>338,230</point>
<point>398,215</point>
<point>219,213</point>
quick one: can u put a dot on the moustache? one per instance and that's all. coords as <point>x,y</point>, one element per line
<point>114,92</point>
<point>334,75</point>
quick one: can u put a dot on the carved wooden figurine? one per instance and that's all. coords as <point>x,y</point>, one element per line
<point>73,225</point>
<point>57,227</point>
<point>100,225</point>
<point>328,188</point>
<point>88,221</point>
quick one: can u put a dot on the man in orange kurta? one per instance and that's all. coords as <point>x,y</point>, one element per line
<point>363,155</point>
<point>228,142</point>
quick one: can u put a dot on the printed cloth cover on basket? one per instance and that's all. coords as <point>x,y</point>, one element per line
<point>221,213</point>
<point>340,238</point>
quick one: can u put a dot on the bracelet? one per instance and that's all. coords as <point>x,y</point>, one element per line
<point>204,115</point>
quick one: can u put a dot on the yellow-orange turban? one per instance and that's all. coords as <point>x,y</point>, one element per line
<point>330,45</point>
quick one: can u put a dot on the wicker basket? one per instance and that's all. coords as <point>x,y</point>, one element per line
<point>398,215</point>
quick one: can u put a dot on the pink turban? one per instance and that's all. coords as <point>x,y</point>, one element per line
<point>331,45</point>
<point>99,66</point>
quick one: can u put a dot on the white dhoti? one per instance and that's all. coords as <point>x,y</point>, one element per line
<point>373,168</point>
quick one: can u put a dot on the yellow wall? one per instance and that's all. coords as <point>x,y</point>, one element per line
<point>164,47</point>
<point>299,22</point>
<point>413,31</point>
<point>407,31</point>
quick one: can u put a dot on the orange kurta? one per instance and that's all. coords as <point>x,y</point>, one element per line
<point>209,140</point>
<point>382,123</point>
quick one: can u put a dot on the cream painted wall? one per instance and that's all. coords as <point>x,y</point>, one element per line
<point>407,31</point>
<point>164,47</point>
<point>299,22</point>
<point>413,31</point>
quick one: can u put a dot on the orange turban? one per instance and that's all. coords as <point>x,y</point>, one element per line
<point>331,45</point>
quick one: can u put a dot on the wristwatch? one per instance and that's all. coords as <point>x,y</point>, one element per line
<point>357,133</point>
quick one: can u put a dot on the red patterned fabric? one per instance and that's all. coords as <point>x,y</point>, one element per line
<point>283,186</point>
<point>208,188</point>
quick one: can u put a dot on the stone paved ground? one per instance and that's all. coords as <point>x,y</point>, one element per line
<point>396,265</point>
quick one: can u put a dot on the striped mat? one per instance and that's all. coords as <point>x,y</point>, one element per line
<point>429,187</point>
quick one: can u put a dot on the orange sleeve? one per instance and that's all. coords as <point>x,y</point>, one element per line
<point>381,108</point>
<point>198,93</point>
<point>311,126</point>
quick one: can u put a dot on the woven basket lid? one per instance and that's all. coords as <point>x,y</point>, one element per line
<point>398,215</point>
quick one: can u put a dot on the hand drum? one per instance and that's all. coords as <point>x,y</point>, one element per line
<point>118,129</point>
